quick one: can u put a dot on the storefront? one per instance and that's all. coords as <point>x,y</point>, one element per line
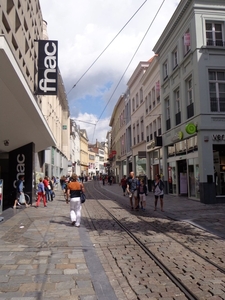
<point>183,168</point>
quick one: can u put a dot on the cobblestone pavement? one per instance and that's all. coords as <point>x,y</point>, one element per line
<point>210,217</point>
<point>43,257</point>
<point>202,278</point>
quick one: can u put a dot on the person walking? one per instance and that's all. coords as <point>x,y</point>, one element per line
<point>20,193</point>
<point>46,185</point>
<point>158,191</point>
<point>74,188</point>
<point>41,193</point>
<point>132,184</point>
<point>142,194</point>
<point>123,184</point>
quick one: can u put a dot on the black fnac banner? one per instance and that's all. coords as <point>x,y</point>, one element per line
<point>47,67</point>
<point>21,162</point>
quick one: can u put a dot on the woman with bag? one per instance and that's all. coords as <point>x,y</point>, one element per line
<point>74,190</point>
<point>158,191</point>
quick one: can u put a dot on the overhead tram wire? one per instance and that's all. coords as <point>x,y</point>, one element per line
<point>131,60</point>
<point>106,48</point>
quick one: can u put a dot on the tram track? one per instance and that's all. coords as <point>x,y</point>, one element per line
<point>186,290</point>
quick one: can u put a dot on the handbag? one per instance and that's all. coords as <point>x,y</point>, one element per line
<point>22,199</point>
<point>158,191</point>
<point>82,197</point>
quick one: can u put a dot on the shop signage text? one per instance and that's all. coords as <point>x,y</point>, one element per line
<point>47,67</point>
<point>218,137</point>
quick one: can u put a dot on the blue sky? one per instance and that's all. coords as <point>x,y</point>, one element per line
<point>83,30</point>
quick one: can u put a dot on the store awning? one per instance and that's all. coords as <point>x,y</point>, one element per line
<point>21,120</point>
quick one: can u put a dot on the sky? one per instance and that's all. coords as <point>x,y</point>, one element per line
<point>94,78</point>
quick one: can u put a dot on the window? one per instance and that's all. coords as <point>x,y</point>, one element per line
<point>134,135</point>
<point>154,128</point>
<point>133,104</point>
<point>146,105</point>
<point>189,93</point>
<point>141,95</point>
<point>217,90</point>
<point>157,91</point>
<point>142,129</point>
<point>137,100</point>
<point>167,105</point>
<point>138,139</point>
<point>177,100</point>
<point>150,101</point>
<point>150,126</point>
<point>187,42</point>
<point>165,70</point>
<point>147,133</point>
<point>177,106</point>
<point>175,58</point>
<point>153,97</point>
<point>214,34</point>
<point>159,126</point>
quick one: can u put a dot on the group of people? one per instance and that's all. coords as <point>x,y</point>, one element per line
<point>137,191</point>
<point>45,190</point>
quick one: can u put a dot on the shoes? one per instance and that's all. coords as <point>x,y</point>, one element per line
<point>132,208</point>
<point>77,225</point>
<point>14,206</point>
<point>28,205</point>
<point>45,205</point>
<point>73,223</point>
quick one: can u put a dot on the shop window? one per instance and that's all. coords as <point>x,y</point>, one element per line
<point>219,169</point>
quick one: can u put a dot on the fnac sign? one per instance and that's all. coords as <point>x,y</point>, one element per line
<point>47,67</point>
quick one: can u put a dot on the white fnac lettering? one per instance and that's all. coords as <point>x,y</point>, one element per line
<point>20,167</point>
<point>50,63</point>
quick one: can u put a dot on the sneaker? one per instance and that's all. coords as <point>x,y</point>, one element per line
<point>73,223</point>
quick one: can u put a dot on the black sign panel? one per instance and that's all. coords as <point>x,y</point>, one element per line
<point>47,67</point>
<point>21,162</point>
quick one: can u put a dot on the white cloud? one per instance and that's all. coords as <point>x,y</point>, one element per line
<point>84,28</point>
<point>96,130</point>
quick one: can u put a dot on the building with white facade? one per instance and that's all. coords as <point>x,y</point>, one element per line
<point>191,54</point>
<point>137,119</point>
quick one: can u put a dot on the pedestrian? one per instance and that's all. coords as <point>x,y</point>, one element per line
<point>74,188</point>
<point>47,188</point>
<point>158,191</point>
<point>20,199</point>
<point>142,194</point>
<point>103,180</point>
<point>132,184</point>
<point>110,180</point>
<point>41,193</point>
<point>63,183</point>
<point>51,190</point>
<point>123,184</point>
